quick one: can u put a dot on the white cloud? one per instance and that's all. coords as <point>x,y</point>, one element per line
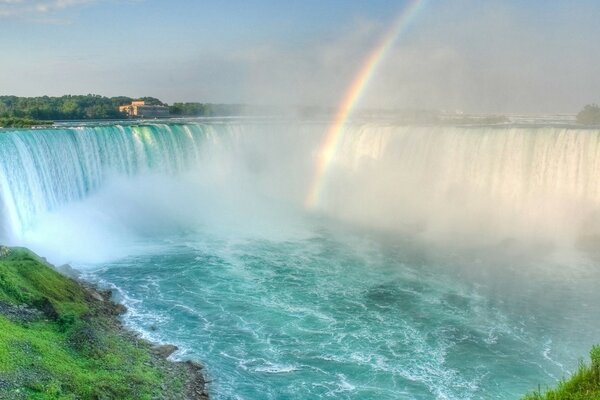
<point>15,8</point>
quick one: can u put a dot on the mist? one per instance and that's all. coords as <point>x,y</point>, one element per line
<point>452,187</point>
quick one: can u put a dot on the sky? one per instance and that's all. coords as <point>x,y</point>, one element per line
<point>504,56</point>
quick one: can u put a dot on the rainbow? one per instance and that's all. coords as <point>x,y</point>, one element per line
<point>335,132</point>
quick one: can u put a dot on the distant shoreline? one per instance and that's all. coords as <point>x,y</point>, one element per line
<point>13,122</point>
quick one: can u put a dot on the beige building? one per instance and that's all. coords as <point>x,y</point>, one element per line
<point>139,109</point>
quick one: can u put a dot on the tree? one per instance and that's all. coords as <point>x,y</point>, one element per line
<point>152,101</point>
<point>91,106</point>
<point>589,115</point>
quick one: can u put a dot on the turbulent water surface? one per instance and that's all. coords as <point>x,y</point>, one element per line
<point>440,263</point>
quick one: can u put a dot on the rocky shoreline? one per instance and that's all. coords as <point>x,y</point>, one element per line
<point>60,336</point>
<point>192,370</point>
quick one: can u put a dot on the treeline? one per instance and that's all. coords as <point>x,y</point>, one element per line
<point>590,115</point>
<point>218,110</point>
<point>93,106</point>
<point>14,122</point>
<point>68,107</point>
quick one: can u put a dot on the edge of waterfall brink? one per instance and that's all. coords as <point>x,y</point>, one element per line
<point>61,338</point>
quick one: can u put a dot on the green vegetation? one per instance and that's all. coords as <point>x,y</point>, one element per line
<point>46,108</point>
<point>92,106</point>
<point>13,122</point>
<point>190,110</point>
<point>214,110</point>
<point>590,115</point>
<point>583,385</point>
<point>61,340</point>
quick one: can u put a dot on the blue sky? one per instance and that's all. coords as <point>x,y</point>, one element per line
<point>482,56</point>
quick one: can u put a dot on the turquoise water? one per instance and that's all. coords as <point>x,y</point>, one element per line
<point>341,315</point>
<point>440,263</point>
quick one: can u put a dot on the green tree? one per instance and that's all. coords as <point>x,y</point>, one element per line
<point>589,115</point>
<point>69,109</point>
<point>91,106</point>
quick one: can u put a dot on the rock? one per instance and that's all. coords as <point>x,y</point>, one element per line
<point>118,309</point>
<point>20,313</point>
<point>69,271</point>
<point>195,364</point>
<point>164,350</point>
<point>95,295</point>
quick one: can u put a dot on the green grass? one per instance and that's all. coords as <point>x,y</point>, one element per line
<point>583,385</point>
<point>26,279</point>
<point>74,350</point>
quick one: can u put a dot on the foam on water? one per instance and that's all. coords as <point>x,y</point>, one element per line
<point>315,317</point>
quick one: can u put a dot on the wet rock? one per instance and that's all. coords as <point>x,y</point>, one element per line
<point>96,296</point>
<point>164,350</point>
<point>117,309</point>
<point>195,365</point>
<point>69,271</point>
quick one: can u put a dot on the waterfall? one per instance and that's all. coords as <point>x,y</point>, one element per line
<point>41,170</point>
<point>503,181</point>
<point>510,181</point>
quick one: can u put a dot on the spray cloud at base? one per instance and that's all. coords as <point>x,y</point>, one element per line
<point>441,183</point>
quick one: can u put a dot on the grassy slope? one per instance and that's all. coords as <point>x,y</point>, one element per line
<point>74,348</point>
<point>583,385</point>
